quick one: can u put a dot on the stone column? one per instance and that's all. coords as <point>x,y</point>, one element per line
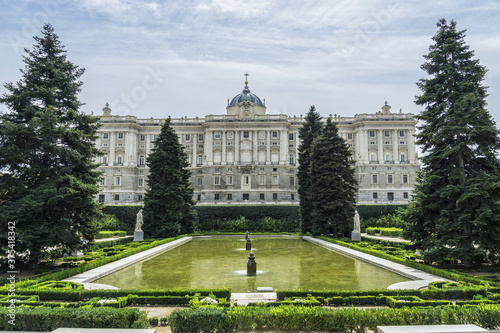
<point>223,157</point>
<point>236,147</point>
<point>283,147</point>
<point>395,147</point>
<point>194,162</point>
<point>380,150</point>
<point>209,147</point>
<point>411,146</point>
<point>268,148</point>
<point>112,146</point>
<point>255,147</point>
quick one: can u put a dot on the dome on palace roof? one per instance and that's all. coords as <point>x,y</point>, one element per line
<point>246,95</point>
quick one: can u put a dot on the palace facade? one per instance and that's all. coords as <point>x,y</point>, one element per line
<point>248,156</point>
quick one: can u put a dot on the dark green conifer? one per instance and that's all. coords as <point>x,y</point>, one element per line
<point>333,185</point>
<point>307,133</point>
<point>457,209</point>
<point>168,202</point>
<point>46,150</point>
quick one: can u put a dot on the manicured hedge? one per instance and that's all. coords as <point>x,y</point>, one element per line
<point>127,215</point>
<point>47,319</point>
<point>376,211</point>
<point>301,318</point>
<point>389,232</point>
<point>110,234</point>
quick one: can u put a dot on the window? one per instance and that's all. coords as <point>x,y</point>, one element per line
<point>349,136</point>
<point>117,197</point>
<point>102,181</point>
<point>105,135</point>
<point>275,180</point>
<point>290,137</point>
<point>199,181</point>
<point>216,180</point>
<point>246,196</point>
<point>102,197</point>
<point>262,196</point>
<point>372,134</point>
<point>200,160</point>
<point>275,196</point>
<point>217,134</point>
<point>140,182</point>
<point>292,196</point>
<point>188,137</point>
<point>141,160</point>
<point>402,134</point>
<point>246,180</point>
<point>275,169</point>
<point>119,160</point>
<point>120,135</point>
<point>262,180</point>
<point>246,134</point>
<point>292,159</point>
<point>216,196</point>
<point>229,196</point>
<point>292,181</point>
<point>155,136</point>
<point>199,197</point>
<point>142,137</point>
<point>403,157</point>
<point>275,134</point>
<point>387,134</point>
<point>405,179</point>
<point>200,137</point>
<point>375,195</point>
<point>390,196</point>
<point>388,157</point>
<point>405,195</point>
<point>105,160</point>
<point>374,179</point>
<point>389,179</point>
<point>118,181</point>
<point>140,198</point>
<point>229,180</point>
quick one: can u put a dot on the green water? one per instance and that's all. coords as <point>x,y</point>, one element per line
<point>281,264</point>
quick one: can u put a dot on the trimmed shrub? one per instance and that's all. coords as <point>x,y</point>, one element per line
<point>47,319</point>
<point>110,234</point>
<point>203,319</point>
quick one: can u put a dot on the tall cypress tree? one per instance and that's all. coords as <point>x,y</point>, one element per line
<point>333,185</point>
<point>46,150</point>
<point>168,202</point>
<point>457,210</point>
<point>307,133</point>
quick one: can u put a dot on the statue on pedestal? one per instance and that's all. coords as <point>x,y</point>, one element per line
<point>356,233</point>
<point>138,233</point>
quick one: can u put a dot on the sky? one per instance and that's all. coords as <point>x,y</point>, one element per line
<point>154,58</point>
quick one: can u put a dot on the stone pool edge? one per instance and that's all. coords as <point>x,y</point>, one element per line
<point>420,278</point>
<point>99,272</point>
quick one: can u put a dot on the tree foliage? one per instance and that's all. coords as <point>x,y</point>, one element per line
<point>48,179</point>
<point>168,202</point>
<point>457,209</point>
<point>333,185</point>
<point>307,133</point>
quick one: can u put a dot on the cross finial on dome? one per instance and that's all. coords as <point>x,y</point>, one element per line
<point>246,79</point>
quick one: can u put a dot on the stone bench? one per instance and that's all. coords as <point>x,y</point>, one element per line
<point>431,329</point>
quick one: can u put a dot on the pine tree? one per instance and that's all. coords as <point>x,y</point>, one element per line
<point>307,133</point>
<point>457,210</point>
<point>168,202</point>
<point>333,185</point>
<point>46,149</point>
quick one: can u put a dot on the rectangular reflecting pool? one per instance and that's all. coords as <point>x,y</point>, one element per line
<point>281,264</point>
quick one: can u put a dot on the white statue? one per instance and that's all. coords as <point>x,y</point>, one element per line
<point>357,225</point>
<point>139,222</point>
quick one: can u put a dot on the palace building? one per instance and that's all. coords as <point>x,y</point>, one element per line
<point>248,156</point>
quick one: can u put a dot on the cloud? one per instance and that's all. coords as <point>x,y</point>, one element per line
<point>123,10</point>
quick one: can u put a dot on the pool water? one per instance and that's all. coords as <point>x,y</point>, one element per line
<point>281,264</point>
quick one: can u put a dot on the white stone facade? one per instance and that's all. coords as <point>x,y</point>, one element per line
<point>247,156</point>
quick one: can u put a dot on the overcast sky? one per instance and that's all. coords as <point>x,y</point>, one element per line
<point>186,58</point>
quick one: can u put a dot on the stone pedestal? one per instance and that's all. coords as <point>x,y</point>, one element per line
<point>77,254</point>
<point>138,236</point>
<point>248,245</point>
<point>356,236</point>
